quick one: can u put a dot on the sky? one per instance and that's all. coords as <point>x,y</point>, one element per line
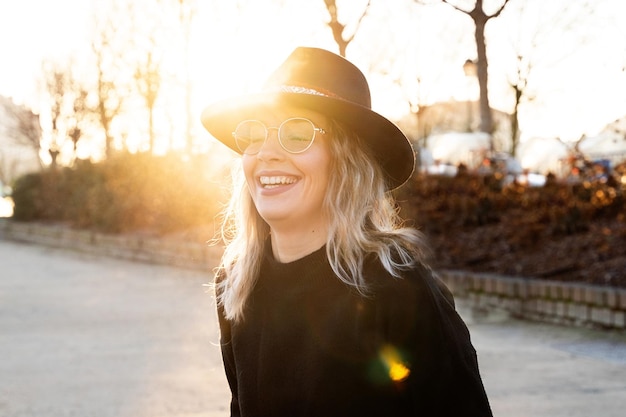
<point>587,94</point>
<point>30,31</point>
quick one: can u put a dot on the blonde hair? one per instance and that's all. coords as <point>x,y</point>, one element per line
<point>364,220</point>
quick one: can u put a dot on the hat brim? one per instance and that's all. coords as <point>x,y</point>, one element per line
<point>388,144</point>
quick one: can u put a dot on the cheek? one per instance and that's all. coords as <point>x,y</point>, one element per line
<point>321,171</point>
<point>324,174</point>
<point>324,168</point>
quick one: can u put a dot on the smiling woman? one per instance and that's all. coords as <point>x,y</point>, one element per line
<point>288,185</point>
<point>326,304</point>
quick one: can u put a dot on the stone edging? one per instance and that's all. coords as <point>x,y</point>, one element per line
<point>136,248</point>
<point>565,303</point>
<point>532,299</point>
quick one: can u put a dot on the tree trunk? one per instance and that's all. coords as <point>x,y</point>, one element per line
<point>515,121</point>
<point>486,118</point>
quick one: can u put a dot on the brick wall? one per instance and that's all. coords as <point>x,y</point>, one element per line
<point>551,301</point>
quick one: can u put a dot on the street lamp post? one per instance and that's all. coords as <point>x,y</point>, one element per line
<point>470,70</point>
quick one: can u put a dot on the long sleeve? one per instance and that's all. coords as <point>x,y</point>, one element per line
<point>229,361</point>
<point>453,385</point>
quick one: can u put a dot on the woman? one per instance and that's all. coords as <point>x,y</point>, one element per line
<point>325,304</point>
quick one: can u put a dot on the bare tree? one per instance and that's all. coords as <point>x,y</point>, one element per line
<point>146,47</point>
<point>555,36</point>
<point>519,85</point>
<point>57,85</point>
<point>151,27</point>
<point>339,28</point>
<point>109,59</point>
<point>186,12</point>
<point>80,113</point>
<point>480,18</point>
<point>148,78</point>
<point>68,108</point>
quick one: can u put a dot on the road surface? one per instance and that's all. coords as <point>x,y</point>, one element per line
<point>83,335</point>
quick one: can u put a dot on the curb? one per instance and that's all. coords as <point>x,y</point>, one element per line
<point>135,248</point>
<point>565,303</point>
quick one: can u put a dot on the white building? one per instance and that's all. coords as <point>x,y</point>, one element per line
<point>19,138</point>
<point>609,144</point>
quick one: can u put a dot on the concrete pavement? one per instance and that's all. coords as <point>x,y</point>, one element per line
<point>93,336</point>
<point>544,370</point>
<point>83,335</point>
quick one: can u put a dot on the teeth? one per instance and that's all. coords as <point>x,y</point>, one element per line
<point>282,180</point>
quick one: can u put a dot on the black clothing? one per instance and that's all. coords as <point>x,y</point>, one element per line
<point>310,345</point>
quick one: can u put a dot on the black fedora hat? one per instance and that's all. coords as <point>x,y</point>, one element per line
<point>329,84</point>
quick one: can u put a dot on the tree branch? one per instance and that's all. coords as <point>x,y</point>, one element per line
<point>456,7</point>
<point>497,13</point>
<point>358,23</point>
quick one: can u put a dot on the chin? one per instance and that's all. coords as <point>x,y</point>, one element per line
<point>272,216</point>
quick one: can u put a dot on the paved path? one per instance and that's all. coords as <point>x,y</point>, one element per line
<point>92,336</point>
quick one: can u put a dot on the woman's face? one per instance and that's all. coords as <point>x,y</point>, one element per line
<point>288,189</point>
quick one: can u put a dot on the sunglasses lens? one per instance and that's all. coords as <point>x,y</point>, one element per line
<point>249,136</point>
<point>296,135</point>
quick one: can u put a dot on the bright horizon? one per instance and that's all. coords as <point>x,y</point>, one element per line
<point>33,30</point>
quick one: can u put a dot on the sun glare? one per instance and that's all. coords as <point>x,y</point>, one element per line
<point>251,43</point>
<point>233,47</point>
<point>6,207</point>
<point>396,368</point>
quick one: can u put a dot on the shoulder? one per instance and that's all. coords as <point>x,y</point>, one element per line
<point>418,280</point>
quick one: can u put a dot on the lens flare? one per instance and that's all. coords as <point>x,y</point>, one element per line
<point>397,370</point>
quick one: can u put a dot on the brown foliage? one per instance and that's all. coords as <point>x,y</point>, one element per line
<point>558,231</point>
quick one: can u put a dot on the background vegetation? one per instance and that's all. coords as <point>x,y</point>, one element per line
<point>572,231</point>
<point>565,231</point>
<point>125,193</point>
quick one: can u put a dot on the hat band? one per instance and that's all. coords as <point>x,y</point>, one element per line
<point>303,90</point>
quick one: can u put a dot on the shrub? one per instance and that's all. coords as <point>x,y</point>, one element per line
<point>26,197</point>
<point>439,204</point>
<point>141,192</point>
<point>125,193</point>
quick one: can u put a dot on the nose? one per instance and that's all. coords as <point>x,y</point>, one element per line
<point>271,148</point>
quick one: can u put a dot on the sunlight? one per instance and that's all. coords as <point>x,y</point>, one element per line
<point>403,50</point>
<point>6,207</point>
<point>251,45</point>
<point>397,370</point>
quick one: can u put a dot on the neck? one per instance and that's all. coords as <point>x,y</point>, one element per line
<point>289,244</point>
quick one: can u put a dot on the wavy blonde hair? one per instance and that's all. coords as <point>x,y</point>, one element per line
<point>364,221</point>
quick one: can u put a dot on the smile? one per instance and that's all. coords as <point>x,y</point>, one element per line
<point>273,182</point>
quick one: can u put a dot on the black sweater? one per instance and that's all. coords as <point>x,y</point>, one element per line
<point>309,345</point>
